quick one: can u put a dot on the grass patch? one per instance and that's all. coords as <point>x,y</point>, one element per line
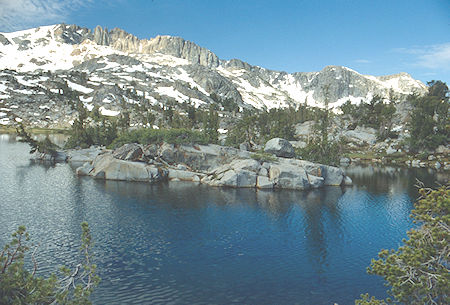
<point>263,157</point>
<point>399,157</point>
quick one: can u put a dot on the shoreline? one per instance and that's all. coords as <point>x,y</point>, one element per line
<point>368,157</point>
<point>211,164</point>
<point>35,130</point>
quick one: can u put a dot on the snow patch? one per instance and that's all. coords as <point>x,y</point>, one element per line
<point>4,121</point>
<point>79,88</point>
<point>184,76</point>
<point>24,91</point>
<point>171,92</point>
<point>108,112</point>
<point>86,99</point>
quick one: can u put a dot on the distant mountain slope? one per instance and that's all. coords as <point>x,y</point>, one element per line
<point>165,68</point>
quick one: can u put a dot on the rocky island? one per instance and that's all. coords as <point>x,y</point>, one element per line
<point>211,164</point>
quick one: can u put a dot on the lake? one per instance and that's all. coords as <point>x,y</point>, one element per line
<point>182,243</point>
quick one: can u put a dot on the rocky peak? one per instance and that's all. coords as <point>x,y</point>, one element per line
<point>236,64</point>
<point>175,46</point>
<point>101,36</point>
<point>173,69</point>
<point>71,34</point>
<point>178,47</point>
<point>3,40</point>
<point>338,82</point>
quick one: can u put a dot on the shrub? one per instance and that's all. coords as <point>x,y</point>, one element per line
<point>101,133</point>
<point>263,157</point>
<point>21,286</point>
<point>430,125</point>
<point>326,152</point>
<point>418,272</point>
<point>172,136</point>
<point>45,146</point>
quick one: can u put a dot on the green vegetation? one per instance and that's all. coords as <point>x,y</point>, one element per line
<point>363,155</point>
<point>211,124</point>
<point>172,136</point>
<point>327,153</point>
<point>430,124</point>
<point>45,146</point>
<point>278,123</point>
<point>244,130</point>
<point>91,129</point>
<point>376,114</point>
<point>257,127</point>
<point>320,148</point>
<point>263,157</point>
<point>21,286</point>
<point>228,104</point>
<point>418,272</point>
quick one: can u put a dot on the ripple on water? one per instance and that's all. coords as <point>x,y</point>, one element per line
<point>182,244</point>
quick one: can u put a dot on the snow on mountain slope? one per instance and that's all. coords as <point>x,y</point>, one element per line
<point>38,49</point>
<point>165,69</point>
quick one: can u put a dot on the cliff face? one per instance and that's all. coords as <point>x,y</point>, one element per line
<point>174,46</point>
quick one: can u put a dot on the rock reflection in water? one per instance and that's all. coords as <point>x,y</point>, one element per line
<point>393,180</point>
<point>317,207</point>
<point>185,243</point>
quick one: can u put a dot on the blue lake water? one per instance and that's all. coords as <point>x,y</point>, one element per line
<point>181,243</point>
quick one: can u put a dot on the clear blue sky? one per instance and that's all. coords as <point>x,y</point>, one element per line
<point>369,36</point>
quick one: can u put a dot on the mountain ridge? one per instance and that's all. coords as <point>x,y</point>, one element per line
<point>172,68</point>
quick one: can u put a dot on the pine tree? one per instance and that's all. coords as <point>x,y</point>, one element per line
<point>430,124</point>
<point>418,272</point>
<point>211,124</point>
<point>21,286</point>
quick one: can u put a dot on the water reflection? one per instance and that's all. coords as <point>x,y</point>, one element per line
<point>185,243</point>
<point>58,139</point>
<point>393,180</point>
<point>316,209</point>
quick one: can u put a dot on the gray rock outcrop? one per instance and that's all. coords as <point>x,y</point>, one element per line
<point>107,167</point>
<point>361,135</point>
<point>442,149</point>
<point>288,176</point>
<point>84,170</point>
<point>71,34</point>
<point>129,152</point>
<point>304,130</point>
<point>212,165</point>
<point>175,46</point>
<point>3,40</point>
<point>83,155</point>
<point>280,148</point>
